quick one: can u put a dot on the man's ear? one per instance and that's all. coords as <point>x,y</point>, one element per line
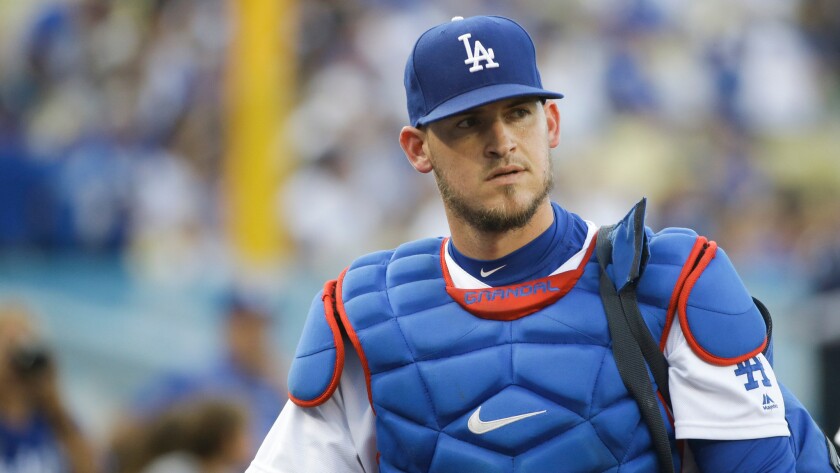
<point>413,143</point>
<point>552,117</point>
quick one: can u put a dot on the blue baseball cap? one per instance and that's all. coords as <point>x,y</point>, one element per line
<point>467,63</point>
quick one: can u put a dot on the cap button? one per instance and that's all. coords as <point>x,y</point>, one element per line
<point>457,18</point>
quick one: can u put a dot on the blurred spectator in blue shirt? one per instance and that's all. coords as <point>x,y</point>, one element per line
<point>246,373</point>
<point>37,434</point>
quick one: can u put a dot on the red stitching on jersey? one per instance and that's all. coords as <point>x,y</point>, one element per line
<point>354,338</point>
<point>688,266</point>
<point>329,312</point>
<point>704,262</point>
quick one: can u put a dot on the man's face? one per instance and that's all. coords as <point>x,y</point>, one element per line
<point>492,163</point>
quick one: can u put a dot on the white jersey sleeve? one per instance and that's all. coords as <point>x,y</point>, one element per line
<point>735,402</point>
<point>338,435</point>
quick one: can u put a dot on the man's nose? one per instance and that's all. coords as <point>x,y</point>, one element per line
<point>500,142</point>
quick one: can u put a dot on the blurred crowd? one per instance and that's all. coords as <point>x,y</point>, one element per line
<point>725,114</point>
<point>109,127</point>
<point>111,124</point>
<point>208,419</point>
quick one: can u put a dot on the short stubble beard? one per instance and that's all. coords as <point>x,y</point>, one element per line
<point>493,220</point>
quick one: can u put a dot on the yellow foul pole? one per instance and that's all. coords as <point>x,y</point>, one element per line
<point>260,84</point>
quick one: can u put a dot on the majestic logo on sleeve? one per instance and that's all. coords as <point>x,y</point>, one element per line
<point>749,367</point>
<point>478,54</point>
<point>767,403</point>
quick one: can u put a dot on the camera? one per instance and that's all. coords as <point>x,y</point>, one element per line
<point>30,360</point>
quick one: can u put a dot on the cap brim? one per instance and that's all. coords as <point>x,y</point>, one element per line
<point>483,96</point>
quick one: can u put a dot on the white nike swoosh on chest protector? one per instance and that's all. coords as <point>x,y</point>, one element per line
<point>478,426</point>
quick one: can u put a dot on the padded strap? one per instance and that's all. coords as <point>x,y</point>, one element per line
<point>650,349</point>
<point>628,353</point>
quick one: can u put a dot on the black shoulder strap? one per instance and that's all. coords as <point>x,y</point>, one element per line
<point>627,351</point>
<point>650,349</point>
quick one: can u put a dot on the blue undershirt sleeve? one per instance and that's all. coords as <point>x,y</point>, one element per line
<point>765,455</point>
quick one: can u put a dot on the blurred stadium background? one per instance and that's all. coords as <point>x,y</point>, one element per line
<point>157,155</point>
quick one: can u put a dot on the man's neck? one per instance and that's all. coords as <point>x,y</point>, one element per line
<point>482,245</point>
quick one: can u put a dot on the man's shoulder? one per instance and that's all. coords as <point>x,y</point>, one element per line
<point>382,269</point>
<point>695,281</point>
<point>319,358</point>
<point>671,245</point>
<point>423,246</point>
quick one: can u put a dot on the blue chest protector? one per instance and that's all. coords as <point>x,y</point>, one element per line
<point>433,364</point>
<point>456,391</point>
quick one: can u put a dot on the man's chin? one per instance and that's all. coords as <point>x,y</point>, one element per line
<point>502,217</point>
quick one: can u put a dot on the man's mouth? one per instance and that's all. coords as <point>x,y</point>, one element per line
<point>508,170</point>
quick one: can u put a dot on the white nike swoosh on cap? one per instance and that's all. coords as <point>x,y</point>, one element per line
<point>484,273</point>
<point>478,426</point>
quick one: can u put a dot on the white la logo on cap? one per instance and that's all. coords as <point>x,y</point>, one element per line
<point>478,54</point>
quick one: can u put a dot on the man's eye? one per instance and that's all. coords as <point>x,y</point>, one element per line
<point>467,123</point>
<point>519,112</point>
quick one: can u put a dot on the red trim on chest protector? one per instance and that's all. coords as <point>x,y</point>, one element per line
<point>688,267</point>
<point>682,306</point>
<point>329,312</point>
<point>516,300</point>
<point>354,338</point>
